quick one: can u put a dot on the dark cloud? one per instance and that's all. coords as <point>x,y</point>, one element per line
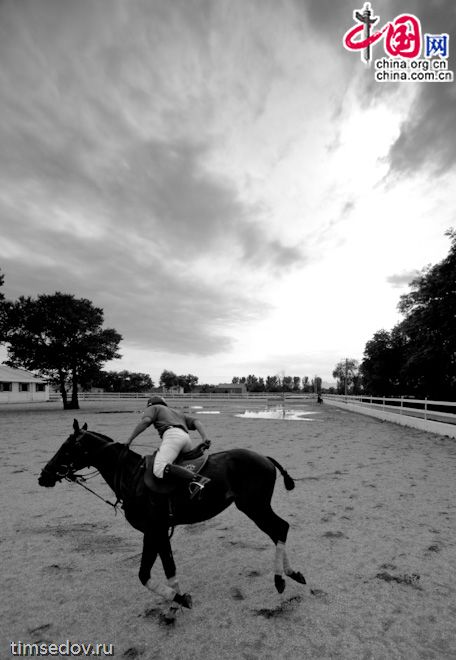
<point>150,304</point>
<point>330,18</point>
<point>427,139</point>
<point>103,197</point>
<point>399,280</point>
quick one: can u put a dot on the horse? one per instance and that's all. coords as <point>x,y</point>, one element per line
<point>238,475</point>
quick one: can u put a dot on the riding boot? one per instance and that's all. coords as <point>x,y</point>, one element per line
<point>196,482</point>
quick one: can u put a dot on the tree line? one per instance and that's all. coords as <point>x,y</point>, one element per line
<point>417,357</point>
<point>278,384</point>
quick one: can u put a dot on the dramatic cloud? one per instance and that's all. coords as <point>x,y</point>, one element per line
<point>427,141</point>
<point>210,173</point>
<point>106,182</point>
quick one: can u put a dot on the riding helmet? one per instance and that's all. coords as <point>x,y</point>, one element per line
<point>156,400</point>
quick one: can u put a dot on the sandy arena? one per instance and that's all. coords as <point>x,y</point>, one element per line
<point>372,528</point>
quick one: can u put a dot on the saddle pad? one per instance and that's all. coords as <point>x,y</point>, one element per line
<point>187,460</point>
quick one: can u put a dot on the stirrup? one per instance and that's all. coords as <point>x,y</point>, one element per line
<point>196,487</point>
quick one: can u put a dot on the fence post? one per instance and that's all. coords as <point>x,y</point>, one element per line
<point>402,403</point>
<point>425,407</point>
<point>383,404</point>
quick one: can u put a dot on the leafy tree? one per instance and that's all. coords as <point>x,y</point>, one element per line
<point>296,383</point>
<point>429,329</point>
<point>188,382</point>
<point>168,379</point>
<point>347,374</point>
<point>287,383</point>
<point>251,383</point>
<point>418,357</point>
<point>61,337</point>
<point>273,384</point>
<point>382,363</point>
<point>121,381</point>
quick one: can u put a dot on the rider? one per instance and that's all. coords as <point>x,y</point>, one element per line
<point>173,427</point>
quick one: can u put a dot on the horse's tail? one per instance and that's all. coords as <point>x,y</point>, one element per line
<point>289,483</point>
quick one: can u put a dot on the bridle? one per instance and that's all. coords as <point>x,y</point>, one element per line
<point>71,475</point>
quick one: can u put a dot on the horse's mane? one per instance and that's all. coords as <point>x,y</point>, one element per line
<point>100,435</point>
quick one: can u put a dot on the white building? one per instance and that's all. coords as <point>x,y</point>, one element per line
<point>18,385</point>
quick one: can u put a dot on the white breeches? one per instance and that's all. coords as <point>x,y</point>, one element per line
<point>174,441</point>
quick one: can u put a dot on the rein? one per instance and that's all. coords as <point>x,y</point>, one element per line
<point>79,479</point>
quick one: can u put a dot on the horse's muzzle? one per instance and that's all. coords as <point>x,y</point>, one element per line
<point>46,479</point>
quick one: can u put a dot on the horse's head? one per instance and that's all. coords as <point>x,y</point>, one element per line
<point>73,455</point>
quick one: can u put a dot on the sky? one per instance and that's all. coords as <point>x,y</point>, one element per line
<point>222,177</point>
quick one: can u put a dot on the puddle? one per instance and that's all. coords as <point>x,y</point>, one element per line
<point>295,415</point>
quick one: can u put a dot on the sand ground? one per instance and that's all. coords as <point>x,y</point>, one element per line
<point>372,529</point>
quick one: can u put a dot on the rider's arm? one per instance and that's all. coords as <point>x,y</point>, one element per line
<point>200,429</point>
<point>141,426</point>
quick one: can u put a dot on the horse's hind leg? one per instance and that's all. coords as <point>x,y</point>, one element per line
<point>297,576</point>
<point>277,530</point>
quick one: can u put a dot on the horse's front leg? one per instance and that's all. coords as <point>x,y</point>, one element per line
<point>169,567</point>
<point>151,547</point>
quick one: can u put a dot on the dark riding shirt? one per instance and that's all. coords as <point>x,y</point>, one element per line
<point>164,418</point>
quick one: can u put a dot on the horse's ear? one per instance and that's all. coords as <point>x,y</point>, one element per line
<point>84,426</point>
<point>75,426</point>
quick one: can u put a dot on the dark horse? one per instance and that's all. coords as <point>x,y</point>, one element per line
<point>237,475</point>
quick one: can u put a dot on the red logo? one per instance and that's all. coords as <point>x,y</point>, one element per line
<point>402,36</point>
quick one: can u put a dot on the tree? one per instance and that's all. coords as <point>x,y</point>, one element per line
<point>188,382</point>
<point>168,379</point>
<point>251,383</point>
<point>382,363</point>
<point>61,337</point>
<point>346,372</point>
<point>429,329</point>
<point>418,357</point>
<point>273,384</point>
<point>120,381</point>
<point>287,384</point>
<point>296,383</point>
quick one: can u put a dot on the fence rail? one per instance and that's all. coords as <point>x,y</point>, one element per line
<point>439,411</point>
<point>108,396</point>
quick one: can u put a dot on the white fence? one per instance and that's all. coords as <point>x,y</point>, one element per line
<point>424,414</point>
<point>113,396</point>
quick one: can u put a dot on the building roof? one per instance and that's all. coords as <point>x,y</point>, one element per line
<point>9,375</point>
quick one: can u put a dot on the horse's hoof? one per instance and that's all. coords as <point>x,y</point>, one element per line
<point>297,577</point>
<point>279,583</point>
<point>184,600</point>
<point>168,618</point>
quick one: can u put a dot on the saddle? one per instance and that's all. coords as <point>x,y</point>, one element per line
<point>193,460</point>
